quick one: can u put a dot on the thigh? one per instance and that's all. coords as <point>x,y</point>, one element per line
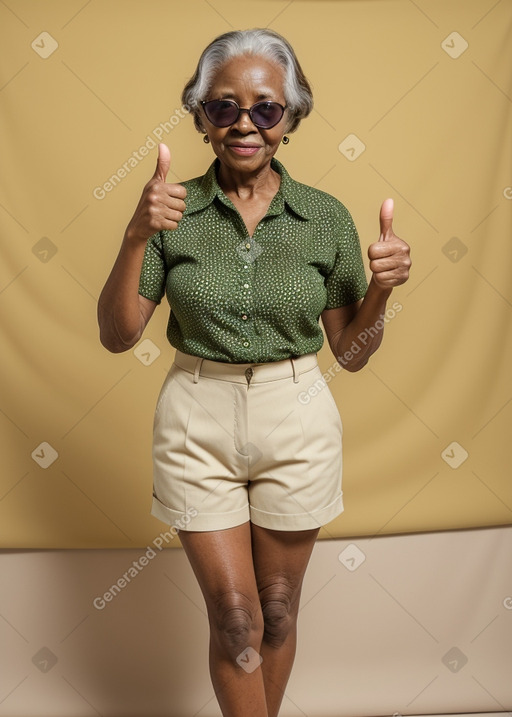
<point>223,565</point>
<point>195,460</point>
<point>280,559</point>
<point>297,470</point>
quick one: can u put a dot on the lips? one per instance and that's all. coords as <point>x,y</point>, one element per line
<point>244,149</point>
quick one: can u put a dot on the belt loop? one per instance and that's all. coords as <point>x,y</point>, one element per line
<point>295,371</point>
<point>197,369</point>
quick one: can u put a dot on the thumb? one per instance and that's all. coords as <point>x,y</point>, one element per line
<point>163,162</point>
<point>386,219</point>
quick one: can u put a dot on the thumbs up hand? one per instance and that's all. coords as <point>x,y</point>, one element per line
<point>389,256</point>
<point>161,205</point>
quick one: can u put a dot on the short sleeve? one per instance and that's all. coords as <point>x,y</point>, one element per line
<point>153,272</point>
<point>346,283</point>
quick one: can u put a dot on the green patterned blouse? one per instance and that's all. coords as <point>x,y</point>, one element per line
<point>243,299</point>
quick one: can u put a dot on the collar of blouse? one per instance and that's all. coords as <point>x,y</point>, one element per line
<point>205,191</point>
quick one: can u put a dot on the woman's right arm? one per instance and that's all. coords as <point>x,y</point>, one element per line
<point>122,312</point>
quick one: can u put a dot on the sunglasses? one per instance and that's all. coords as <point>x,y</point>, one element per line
<point>223,113</point>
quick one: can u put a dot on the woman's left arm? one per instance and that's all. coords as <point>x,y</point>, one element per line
<point>354,332</point>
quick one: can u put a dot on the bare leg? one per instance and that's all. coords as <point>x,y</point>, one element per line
<point>223,564</point>
<point>280,562</point>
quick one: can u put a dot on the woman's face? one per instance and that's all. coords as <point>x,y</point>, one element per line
<point>243,147</point>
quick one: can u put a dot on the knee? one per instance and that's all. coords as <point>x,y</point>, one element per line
<point>279,602</point>
<point>236,622</point>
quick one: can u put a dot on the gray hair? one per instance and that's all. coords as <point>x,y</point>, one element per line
<point>262,42</point>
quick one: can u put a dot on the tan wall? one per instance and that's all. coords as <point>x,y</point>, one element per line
<point>435,121</point>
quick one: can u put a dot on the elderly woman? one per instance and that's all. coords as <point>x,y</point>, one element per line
<point>250,260</point>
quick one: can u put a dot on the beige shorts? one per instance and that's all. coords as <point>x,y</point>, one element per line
<point>239,442</point>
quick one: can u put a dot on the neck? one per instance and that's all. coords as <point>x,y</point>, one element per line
<point>247,184</point>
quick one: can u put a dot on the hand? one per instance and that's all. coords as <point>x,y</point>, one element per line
<point>161,205</point>
<point>389,256</point>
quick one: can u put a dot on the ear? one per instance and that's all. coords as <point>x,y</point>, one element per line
<point>198,120</point>
<point>292,123</point>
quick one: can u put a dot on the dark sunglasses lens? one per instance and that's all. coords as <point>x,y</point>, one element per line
<point>266,114</point>
<point>221,113</point>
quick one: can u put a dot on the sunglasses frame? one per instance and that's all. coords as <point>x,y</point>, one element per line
<point>244,109</point>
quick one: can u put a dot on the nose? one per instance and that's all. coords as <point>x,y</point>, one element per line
<point>244,122</point>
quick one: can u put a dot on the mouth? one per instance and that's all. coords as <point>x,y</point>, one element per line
<point>245,150</point>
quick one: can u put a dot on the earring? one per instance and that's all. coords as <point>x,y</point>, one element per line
<point>206,139</point>
<point>285,139</point>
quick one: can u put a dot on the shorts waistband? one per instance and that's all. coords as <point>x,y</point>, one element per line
<point>246,372</point>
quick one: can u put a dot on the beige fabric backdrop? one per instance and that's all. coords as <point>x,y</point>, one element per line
<point>413,100</point>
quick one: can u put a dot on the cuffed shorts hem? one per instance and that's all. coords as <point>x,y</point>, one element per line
<point>275,521</point>
<point>299,521</point>
<point>200,521</point>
